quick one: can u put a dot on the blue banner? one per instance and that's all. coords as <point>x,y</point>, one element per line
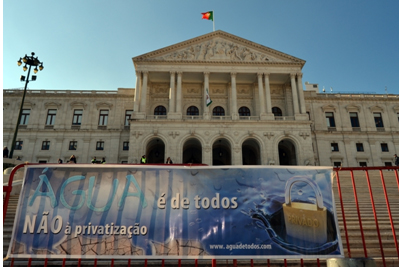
<point>176,212</point>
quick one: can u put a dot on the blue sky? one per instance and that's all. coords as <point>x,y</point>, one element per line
<point>349,45</point>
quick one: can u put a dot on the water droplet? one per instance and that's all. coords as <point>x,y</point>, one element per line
<point>300,192</point>
<point>198,220</point>
<point>194,172</point>
<point>200,230</point>
<point>191,223</point>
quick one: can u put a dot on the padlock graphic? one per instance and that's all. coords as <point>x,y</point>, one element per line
<point>305,221</point>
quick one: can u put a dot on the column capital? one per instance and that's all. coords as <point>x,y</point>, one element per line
<point>179,72</point>
<point>260,74</point>
<point>267,74</point>
<point>138,72</point>
<point>233,74</point>
<point>299,74</point>
<point>172,72</point>
<point>145,71</point>
<point>292,75</point>
<point>206,73</point>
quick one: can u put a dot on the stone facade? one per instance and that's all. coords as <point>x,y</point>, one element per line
<point>260,113</point>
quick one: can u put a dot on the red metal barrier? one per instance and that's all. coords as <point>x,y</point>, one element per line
<point>338,171</point>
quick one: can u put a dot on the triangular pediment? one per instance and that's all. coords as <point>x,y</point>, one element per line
<point>219,46</point>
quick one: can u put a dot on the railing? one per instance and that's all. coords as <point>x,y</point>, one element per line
<point>157,117</point>
<point>363,198</point>
<point>284,118</point>
<point>224,118</point>
<point>249,118</point>
<point>192,117</point>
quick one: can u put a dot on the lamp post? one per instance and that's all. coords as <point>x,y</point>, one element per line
<point>28,61</point>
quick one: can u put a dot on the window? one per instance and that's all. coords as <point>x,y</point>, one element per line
<point>100,145</point>
<point>378,120</point>
<point>384,147</point>
<point>244,111</point>
<point>103,120</point>
<point>124,161</point>
<point>42,161</point>
<point>218,111</point>
<point>388,164</point>
<point>24,117</point>
<point>45,145</point>
<point>330,119</point>
<point>160,110</point>
<point>77,117</point>
<point>73,145</point>
<point>363,164</point>
<point>128,115</point>
<point>51,116</point>
<point>359,147</point>
<point>354,119</point>
<point>18,145</point>
<point>277,112</point>
<point>125,145</point>
<point>192,111</point>
<point>334,147</point>
<point>337,164</point>
<point>307,112</point>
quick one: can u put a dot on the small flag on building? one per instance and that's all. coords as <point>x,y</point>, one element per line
<point>209,16</point>
<point>208,99</point>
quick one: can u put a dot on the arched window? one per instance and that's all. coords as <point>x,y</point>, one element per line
<point>244,111</point>
<point>192,111</point>
<point>277,111</point>
<point>160,110</point>
<point>218,111</point>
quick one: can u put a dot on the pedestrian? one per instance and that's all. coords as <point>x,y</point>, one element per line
<point>169,161</point>
<point>72,159</point>
<point>103,161</point>
<point>94,160</point>
<point>18,158</point>
<point>396,160</point>
<point>5,152</point>
<point>59,161</point>
<point>143,160</point>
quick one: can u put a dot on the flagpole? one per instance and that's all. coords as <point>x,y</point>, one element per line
<point>213,20</point>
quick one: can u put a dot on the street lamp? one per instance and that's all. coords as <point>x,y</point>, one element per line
<point>29,61</point>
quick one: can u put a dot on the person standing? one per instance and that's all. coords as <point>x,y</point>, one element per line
<point>169,161</point>
<point>396,160</point>
<point>103,161</point>
<point>94,160</point>
<point>59,161</point>
<point>5,152</point>
<point>143,160</point>
<point>72,159</point>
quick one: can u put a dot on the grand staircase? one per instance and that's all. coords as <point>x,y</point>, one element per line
<point>355,249</point>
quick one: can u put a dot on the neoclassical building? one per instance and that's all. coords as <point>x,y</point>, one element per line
<point>216,99</point>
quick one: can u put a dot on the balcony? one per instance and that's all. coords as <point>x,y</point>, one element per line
<point>192,117</point>
<point>223,118</point>
<point>284,118</point>
<point>157,117</point>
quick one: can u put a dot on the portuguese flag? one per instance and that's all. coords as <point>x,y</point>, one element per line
<point>207,15</point>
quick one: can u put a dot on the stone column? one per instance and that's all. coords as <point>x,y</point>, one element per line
<point>137,92</point>
<point>268,94</point>
<point>234,110</point>
<point>179,92</point>
<point>206,87</point>
<point>172,93</point>
<point>261,95</point>
<point>143,97</point>
<point>300,94</point>
<point>294,94</point>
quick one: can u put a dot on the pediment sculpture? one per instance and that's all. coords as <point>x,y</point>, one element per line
<point>218,50</point>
